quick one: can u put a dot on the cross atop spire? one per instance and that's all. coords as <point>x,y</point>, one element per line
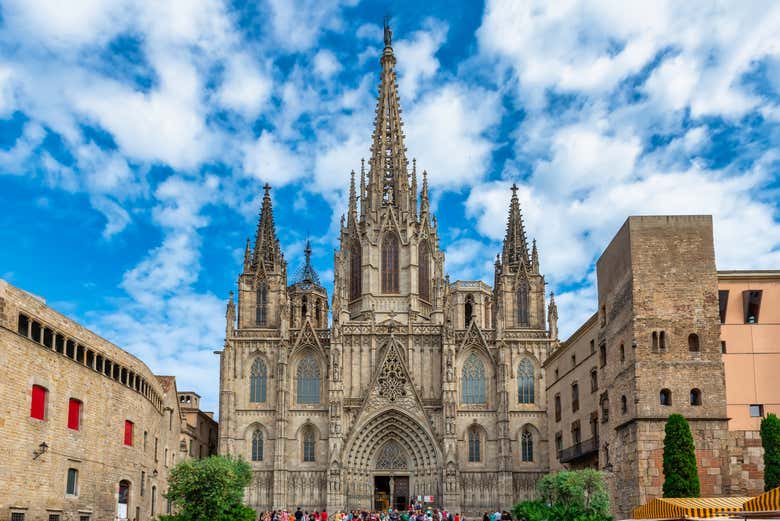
<point>388,180</point>
<point>515,242</point>
<point>267,248</point>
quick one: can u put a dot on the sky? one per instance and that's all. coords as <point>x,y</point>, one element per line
<point>136,135</point>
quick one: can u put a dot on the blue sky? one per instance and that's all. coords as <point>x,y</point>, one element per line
<point>135,137</point>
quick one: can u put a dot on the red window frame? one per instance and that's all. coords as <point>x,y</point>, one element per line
<point>38,402</point>
<point>74,414</point>
<point>128,433</point>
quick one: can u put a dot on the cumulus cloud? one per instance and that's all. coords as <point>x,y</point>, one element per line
<point>417,57</point>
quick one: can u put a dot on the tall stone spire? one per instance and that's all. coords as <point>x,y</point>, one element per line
<point>266,244</point>
<point>307,274</point>
<point>425,206</point>
<point>388,182</point>
<point>352,216</point>
<point>247,256</point>
<point>552,317</point>
<point>515,242</point>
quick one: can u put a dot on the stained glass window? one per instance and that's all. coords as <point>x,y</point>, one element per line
<point>257,445</point>
<point>257,382</point>
<point>308,445</point>
<point>527,446</point>
<point>308,380</point>
<point>262,305</point>
<point>475,453</point>
<point>525,381</point>
<point>522,304</point>
<point>390,264</point>
<point>473,381</point>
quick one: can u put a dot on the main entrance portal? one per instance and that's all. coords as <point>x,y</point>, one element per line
<point>391,491</point>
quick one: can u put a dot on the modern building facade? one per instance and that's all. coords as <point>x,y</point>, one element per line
<point>420,387</point>
<point>88,432</point>
<point>671,335</point>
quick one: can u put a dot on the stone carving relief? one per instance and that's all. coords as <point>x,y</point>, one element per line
<point>392,380</point>
<point>392,456</point>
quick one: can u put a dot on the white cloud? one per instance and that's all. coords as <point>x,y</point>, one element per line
<point>117,217</point>
<point>297,23</point>
<point>453,118</point>
<point>417,57</point>
<point>326,64</point>
<point>244,88</point>
<point>269,160</point>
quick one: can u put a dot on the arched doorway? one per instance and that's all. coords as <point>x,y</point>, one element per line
<point>390,458</point>
<point>123,500</point>
<point>391,477</point>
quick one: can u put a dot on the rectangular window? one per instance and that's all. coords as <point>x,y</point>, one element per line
<point>575,397</point>
<point>558,441</point>
<point>54,517</point>
<point>723,303</point>
<point>756,411</point>
<point>723,346</point>
<point>74,414</point>
<point>128,433</point>
<point>573,360</point>
<point>72,486</point>
<point>603,354</point>
<point>142,488</point>
<point>576,436</point>
<point>17,516</point>
<point>38,405</point>
<point>155,448</point>
<point>752,305</point>
<point>24,325</point>
<point>83,518</point>
<point>592,346</point>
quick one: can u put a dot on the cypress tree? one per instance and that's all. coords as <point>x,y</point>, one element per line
<point>680,472</point>
<point>770,439</point>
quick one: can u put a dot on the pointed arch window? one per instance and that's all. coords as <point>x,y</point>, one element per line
<point>475,446</point>
<point>473,380</point>
<point>423,273</point>
<point>527,445</point>
<point>525,381</point>
<point>257,445</point>
<point>308,376</point>
<point>355,278</point>
<point>261,314</point>
<point>390,264</point>
<point>522,304</point>
<point>309,445</point>
<point>257,381</point>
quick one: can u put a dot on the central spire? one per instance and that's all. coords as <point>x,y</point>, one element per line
<point>388,182</point>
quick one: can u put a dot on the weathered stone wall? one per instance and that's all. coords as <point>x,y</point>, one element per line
<point>746,463</point>
<point>36,486</point>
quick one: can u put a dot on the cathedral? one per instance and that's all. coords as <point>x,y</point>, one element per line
<point>419,389</point>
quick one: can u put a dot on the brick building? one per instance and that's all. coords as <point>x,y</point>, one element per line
<point>671,334</point>
<point>87,432</point>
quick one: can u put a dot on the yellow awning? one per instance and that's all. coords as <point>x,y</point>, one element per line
<point>660,508</point>
<point>768,501</point>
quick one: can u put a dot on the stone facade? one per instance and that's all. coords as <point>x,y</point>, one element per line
<point>420,387</point>
<point>658,330</point>
<point>41,347</point>
<point>199,429</point>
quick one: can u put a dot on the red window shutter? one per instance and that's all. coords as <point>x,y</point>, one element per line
<point>128,433</point>
<point>74,414</point>
<point>38,406</point>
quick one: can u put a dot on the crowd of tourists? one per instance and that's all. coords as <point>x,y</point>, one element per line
<point>413,513</point>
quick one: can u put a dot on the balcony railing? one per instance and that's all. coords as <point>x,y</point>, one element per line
<point>579,450</point>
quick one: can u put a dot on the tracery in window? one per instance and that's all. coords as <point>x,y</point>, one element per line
<point>423,272</point>
<point>473,380</point>
<point>527,446</point>
<point>522,304</point>
<point>257,445</point>
<point>390,264</point>
<point>308,376</point>
<point>257,381</point>
<point>525,381</point>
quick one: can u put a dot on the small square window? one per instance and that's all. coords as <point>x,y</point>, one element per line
<point>757,411</point>
<point>54,517</point>
<point>17,516</point>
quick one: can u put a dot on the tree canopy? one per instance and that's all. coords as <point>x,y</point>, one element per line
<point>681,477</point>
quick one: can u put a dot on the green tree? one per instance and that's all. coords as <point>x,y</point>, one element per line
<point>770,439</point>
<point>680,472</point>
<point>576,495</point>
<point>210,489</point>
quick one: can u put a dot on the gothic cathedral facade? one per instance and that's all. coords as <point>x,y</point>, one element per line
<point>418,387</point>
